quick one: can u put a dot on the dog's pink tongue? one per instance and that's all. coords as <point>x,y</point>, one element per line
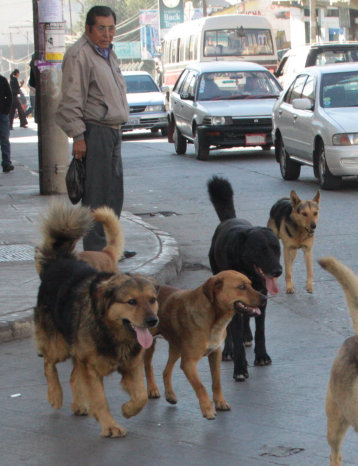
<point>144,337</point>
<point>271,285</point>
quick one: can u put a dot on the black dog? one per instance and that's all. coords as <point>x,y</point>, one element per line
<point>253,251</point>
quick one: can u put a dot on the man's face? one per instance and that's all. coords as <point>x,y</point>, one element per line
<point>102,32</point>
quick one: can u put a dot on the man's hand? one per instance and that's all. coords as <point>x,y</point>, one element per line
<point>79,149</point>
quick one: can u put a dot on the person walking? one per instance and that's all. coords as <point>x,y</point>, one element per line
<point>92,108</point>
<point>5,106</point>
<point>16,104</point>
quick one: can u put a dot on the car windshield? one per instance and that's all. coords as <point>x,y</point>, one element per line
<point>237,85</point>
<point>339,89</point>
<point>140,83</point>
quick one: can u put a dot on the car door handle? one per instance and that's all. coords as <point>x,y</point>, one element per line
<point>295,117</point>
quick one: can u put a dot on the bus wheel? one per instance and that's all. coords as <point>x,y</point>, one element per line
<point>180,142</point>
<point>201,148</point>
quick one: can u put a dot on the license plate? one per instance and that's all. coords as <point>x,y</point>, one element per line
<point>133,121</point>
<point>255,139</point>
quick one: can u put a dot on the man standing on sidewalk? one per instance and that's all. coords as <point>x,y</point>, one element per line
<point>92,109</point>
<point>5,105</point>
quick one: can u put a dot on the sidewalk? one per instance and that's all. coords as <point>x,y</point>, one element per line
<point>21,205</point>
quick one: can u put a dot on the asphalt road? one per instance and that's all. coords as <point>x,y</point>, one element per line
<point>277,415</point>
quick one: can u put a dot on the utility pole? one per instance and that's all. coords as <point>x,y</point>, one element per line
<point>53,152</point>
<point>313,22</point>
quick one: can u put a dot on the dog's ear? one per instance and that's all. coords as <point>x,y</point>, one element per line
<point>295,200</point>
<point>211,286</point>
<point>317,197</point>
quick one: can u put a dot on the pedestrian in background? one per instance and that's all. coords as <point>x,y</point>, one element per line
<point>91,111</point>
<point>16,104</point>
<point>5,106</point>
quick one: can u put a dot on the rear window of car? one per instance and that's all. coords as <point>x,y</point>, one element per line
<point>325,57</point>
<point>339,89</point>
<point>140,83</point>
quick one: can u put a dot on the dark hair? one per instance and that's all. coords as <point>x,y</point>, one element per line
<point>99,11</point>
<point>15,72</point>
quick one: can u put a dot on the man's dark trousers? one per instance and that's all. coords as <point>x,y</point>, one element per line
<point>5,139</point>
<point>104,177</point>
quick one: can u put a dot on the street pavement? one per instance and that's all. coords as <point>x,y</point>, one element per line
<point>277,415</point>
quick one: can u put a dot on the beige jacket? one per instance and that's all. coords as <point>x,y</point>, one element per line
<point>93,90</point>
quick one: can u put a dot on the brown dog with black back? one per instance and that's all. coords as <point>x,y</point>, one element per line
<point>194,324</point>
<point>294,222</point>
<point>342,391</point>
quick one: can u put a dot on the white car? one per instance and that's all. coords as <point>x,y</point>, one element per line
<point>146,103</point>
<point>315,123</point>
<point>222,104</point>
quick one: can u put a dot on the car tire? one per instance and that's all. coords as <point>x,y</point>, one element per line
<point>290,170</point>
<point>164,131</point>
<point>180,143</point>
<point>325,178</point>
<point>154,130</point>
<point>201,148</point>
<point>266,147</point>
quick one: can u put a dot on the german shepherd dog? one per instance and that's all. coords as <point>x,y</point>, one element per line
<point>342,391</point>
<point>294,222</point>
<point>255,252</point>
<point>107,259</point>
<point>194,324</point>
<point>99,319</point>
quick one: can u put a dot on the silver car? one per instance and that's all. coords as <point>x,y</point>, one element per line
<point>315,123</point>
<point>146,103</point>
<point>222,104</point>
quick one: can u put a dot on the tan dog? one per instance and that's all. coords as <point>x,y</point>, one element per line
<point>107,259</point>
<point>294,222</point>
<point>194,323</point>
<point>342,391</point>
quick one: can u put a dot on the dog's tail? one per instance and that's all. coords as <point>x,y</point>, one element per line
<point>112,230</point>
<point>222,197</point>
<point>61,229</point>
<point>349,282</point>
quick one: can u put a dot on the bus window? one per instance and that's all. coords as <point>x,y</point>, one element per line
<point>173,51</point>
<point>238,42</point>
<point>181,49</point>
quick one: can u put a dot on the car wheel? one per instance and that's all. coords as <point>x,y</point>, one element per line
<point>290,170</point>
<point>154,130</point>
<point>180,142</point>
<point>266,147</point>
<point>201,148</point>
<point>325,178</point>
<point>164,131</point>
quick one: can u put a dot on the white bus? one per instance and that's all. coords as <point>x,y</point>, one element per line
<point>222,37</point>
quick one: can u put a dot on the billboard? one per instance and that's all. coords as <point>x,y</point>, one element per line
<point>171,12</point>
<point>149,33</point>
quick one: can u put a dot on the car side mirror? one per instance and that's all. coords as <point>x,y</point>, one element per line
<point>165,89</point>
<point>302,104</point>
<point>186,96</point>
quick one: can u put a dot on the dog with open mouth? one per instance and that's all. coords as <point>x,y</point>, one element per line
<point>255,252</point>
<point>100,320</point>
<point>194,324</point>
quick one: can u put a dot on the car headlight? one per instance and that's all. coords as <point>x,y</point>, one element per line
<point>345,139</point>
<point>155,108</point>
<point>220,120</point>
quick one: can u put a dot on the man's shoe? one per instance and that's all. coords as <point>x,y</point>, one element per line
<point>8,168</point>
<point>23,126</point>
<point>128,255</point>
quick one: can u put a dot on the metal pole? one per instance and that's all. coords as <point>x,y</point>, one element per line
<point>313,22</point>
<point>53,152</point>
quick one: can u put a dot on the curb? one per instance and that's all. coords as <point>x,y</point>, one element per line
<point>164,267</point>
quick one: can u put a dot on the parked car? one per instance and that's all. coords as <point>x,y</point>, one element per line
<point>146,103</point>
<point>296,59</point>
<point>315,123</point>
<point>223,104</point>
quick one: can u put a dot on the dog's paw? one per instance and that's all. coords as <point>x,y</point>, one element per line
<point>290,290</point>
<point>222,405</point>
<point>171,397</point>
<point>248,343</point>
<point>79,410</point>
<point>264,360</point>
<point>153,393</point>
<point>241,376</point>
<point>208,411</point>
<point>114,431</point>
<point>55,397</point>
<point>226,357</point>
<point>132,408</point>
<point>309,288</point>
